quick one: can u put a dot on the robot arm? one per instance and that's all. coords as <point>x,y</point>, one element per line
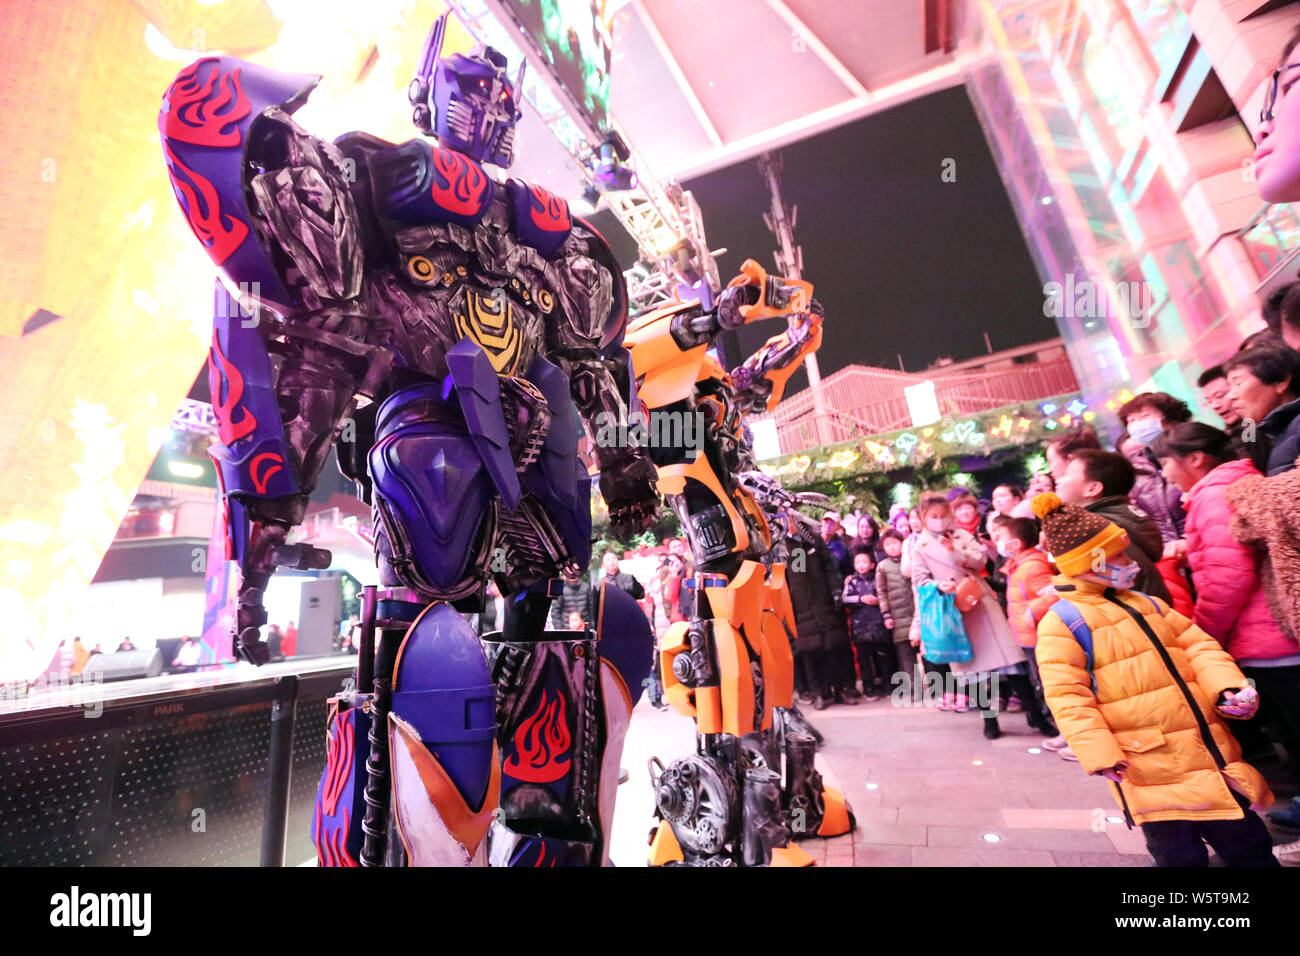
<point>760,382</point>
<point>585,341</point>
<point>326,367</point>
<point>271,206</point>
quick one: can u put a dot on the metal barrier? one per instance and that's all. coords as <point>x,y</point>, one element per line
<point>216,768</point>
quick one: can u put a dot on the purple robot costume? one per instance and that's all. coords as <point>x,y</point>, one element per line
<point>444,330</point>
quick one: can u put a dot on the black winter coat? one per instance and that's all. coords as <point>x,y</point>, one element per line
<point>1145,544</point>
<point>866,622</point>
<point>576,597</point>
<point>819,622</point>
<point>1281,427</point>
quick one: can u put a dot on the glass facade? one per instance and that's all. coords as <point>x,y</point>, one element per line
<point>1063,89</point>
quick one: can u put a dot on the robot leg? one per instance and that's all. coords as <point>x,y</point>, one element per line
<point>428,755</point>
<point>723,805</point>
<point>563,708</point>
<point>812,808</point>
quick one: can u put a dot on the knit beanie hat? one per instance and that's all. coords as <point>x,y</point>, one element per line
<point>1075,536</point>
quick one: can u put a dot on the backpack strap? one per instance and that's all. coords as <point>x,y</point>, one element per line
<point>1073,619</point>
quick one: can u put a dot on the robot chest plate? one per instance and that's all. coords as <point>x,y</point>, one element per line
<point>481,285</point>
<point>507,332</point>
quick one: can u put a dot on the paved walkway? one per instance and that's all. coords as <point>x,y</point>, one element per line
<point>927,790</point>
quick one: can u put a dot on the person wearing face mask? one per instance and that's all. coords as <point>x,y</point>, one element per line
<point>1230,601</point>
<point>1144,418</point>
<point>949,556</point>
<point>1141,693</point>
<point>1264,383</point>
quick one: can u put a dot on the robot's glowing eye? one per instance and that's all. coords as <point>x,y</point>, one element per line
<point>504,96</point>
<point>482,83</point>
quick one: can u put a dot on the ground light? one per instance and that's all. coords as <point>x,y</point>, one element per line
<point>873,786</point>
<point>1114,819</point>
<point>977,763</point>
<point>1035,750</point>
<point>992,838</point>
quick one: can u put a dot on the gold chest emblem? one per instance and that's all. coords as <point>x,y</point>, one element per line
<point>490,321</point>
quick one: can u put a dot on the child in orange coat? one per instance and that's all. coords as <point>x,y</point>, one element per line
<point>1030,593</point>
<point>1141,693</point>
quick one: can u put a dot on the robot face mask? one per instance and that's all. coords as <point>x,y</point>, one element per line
<point>467,102</point>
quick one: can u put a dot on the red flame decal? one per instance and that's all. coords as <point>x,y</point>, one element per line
<point>540,742</point>
<point>221,369</point>
<point>339,763</point>
<point>459,185</point>
<point>219,233</point>
<point>195,115</point>
<point>260,481</point>
<point>331,845</point>
<point>550,213</point>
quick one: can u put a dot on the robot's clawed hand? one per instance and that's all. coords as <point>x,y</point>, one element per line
<point>630,493</point>
<point>266,552</point>
<point>757,294</point>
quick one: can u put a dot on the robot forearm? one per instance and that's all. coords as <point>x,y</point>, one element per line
<point>761,380</point>
<point>603,391</point>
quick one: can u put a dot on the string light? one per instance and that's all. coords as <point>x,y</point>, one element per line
<point>996,429</point>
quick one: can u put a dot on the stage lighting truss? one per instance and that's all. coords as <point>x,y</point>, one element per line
<point>196,418</point>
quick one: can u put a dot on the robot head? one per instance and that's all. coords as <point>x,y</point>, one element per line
<point>467,102</point>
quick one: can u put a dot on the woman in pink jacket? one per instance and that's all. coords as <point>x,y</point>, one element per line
<point>1230,600</point>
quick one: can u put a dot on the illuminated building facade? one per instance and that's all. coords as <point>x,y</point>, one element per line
<point>1123,131</point>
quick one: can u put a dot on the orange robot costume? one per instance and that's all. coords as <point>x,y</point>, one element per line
<point>730,667</point>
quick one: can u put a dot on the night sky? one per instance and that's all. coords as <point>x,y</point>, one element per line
<point>903,262</point>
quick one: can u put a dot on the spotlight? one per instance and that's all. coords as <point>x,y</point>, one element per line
<point>611,175</point>
<point>585,204</point>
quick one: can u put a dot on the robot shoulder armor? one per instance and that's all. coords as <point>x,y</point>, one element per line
<point>598,250</point>
<point>420,183</point>
<point>541,219</point>
<point>206,128</point>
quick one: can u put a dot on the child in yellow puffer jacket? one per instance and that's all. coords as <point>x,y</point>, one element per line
<point>1139,691</point>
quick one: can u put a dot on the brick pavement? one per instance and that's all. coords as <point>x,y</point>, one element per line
<point>927,790</point>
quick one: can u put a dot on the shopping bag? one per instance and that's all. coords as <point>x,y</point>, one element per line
<point>942,630</point>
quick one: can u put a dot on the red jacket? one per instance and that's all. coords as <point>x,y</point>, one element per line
<point>1180,596</point>
<point>1230,601</point>
<point>1028,574</point>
